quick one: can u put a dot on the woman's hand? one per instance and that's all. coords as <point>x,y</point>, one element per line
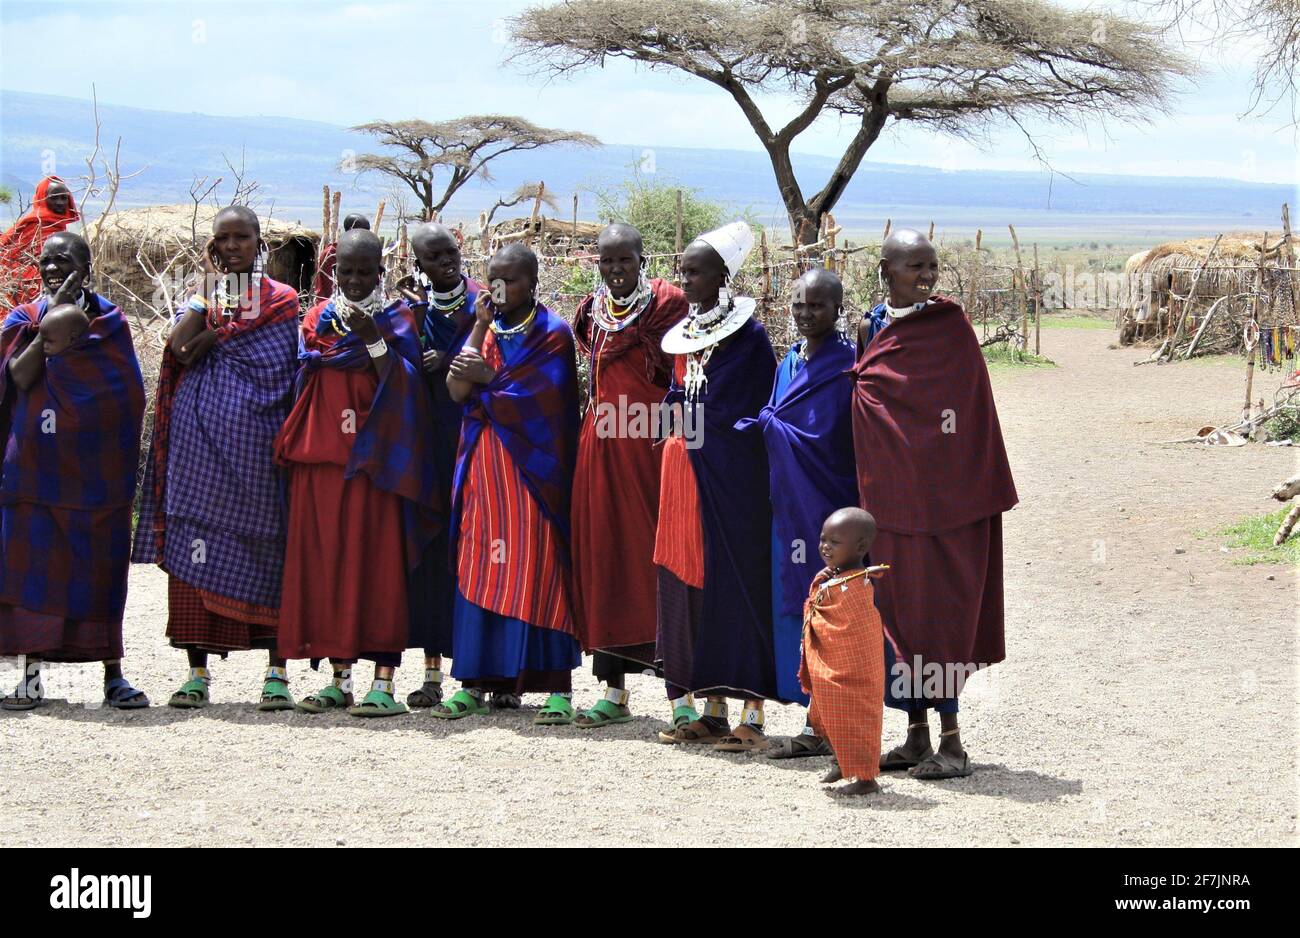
<point>68,291</point>
<point>470,366</point>
<point>363,325</point>
<point>194,350</point>
<point>484,311</point>
<point>412,292</point>
<point>432,359</point>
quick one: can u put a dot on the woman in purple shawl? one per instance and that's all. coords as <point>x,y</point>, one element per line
<point>71,407</point>
<point>807,429</point>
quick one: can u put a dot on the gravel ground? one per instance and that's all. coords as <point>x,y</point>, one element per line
<point>1148,697</point>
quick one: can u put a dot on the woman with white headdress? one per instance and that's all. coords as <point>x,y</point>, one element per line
<point>715,518</point>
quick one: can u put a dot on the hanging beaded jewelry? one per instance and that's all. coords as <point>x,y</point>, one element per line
<point>227,302</point>
<point>605,307</point>
<point>516,330</point>
<point>696,380</point>
<point>447,301</point>
<point>371,306</point>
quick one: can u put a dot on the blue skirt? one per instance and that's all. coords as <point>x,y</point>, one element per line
<point>498,653</point>
<point>787,633</point>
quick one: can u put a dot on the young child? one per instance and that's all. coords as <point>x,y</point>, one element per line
<point>843,667</point>
<point>61,327</point>
<point>363,495</point>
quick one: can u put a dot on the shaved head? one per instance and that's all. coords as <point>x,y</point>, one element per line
<point>360,242</point>
<point>617,233</point>
<point>819,278</point>
<point>71,242</point>
<point>430,232</point>
<point>518,253</point>
<point>356,220</point>
<point>903,241</point>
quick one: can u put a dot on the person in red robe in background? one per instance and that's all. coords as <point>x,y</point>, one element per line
<point>933,471</point>
<point>52,210</point>
<point>323,286</point>
<point>619,329</point>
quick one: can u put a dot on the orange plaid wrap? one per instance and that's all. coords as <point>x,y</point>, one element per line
<point>843,670</point>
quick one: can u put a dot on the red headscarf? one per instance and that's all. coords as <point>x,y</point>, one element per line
<point>20,246</point>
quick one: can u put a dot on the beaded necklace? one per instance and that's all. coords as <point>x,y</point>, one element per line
<point>503,332</point>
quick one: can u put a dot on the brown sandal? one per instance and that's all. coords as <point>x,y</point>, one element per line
<point>733,742</point>
<point>698,731</point>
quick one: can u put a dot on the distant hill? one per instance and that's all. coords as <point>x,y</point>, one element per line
<point>291,159</point>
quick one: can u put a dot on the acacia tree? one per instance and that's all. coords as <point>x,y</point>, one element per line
<point>460,149</point>
<point>1274,24</point>
<point>955,66</point>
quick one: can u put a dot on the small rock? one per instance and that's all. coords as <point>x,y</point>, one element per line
<point>1270,577</point>
<point>1180,550</point>
<point>338,842</point>
<point>1015,840</point>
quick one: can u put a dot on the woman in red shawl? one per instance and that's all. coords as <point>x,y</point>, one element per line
<point>933,471</point>
<point>618,329</point>
<point>52,210</point>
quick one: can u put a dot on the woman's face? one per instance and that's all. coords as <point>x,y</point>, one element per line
<point>58,262</point>
<point>620,265</point>
<point>57,197</point>
<point>703,275</point>
<point>512,285</point>
<point>236,242</point>
<point>438,258</point>
<point>357,273</point>
<point>814,309</point>
<point>911,275</point>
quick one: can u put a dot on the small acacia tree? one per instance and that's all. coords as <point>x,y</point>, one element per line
<point>952,65</point>
<point>460,149</point>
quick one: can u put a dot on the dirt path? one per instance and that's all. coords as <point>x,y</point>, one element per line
<point>1149,696</point>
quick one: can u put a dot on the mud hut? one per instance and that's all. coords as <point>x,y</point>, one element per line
<point>145,256</point>
<point>1161,282</point>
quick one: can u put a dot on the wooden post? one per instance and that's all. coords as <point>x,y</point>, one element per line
<point>975,282</point>
<point>335,220</point>
<point>930,236</point>
<point>679,232</point>
<point>379,220</point>
<point>1038,305</point>
<point>532,217</point>
<point>1288,255</point>
<point>1254,315</point>
<point>886,233</point>
<point>1019,276</point>
<point>1187,303</point>
<point>767,271</point>
<point>483,228</point>
<point>573,242</point>
<point>830,241</point>
<point>325,217</point>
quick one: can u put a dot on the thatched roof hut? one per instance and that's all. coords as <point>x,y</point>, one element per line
<point>1173,266</point>
<point>137,248</point>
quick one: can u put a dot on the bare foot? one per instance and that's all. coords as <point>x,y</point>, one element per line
<point>860,787</point>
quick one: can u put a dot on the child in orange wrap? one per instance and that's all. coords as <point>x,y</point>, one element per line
<point>843,665</point>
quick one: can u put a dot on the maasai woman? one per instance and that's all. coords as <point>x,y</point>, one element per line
<point>715,520</point>
<point>210,506</point>
<point>513,626</point>
<point>323,285</point>
<point>51,211</point>
<point>932,469</point>
<point>619,329</point>
<point>808,433</point>
<point>70,419</point>
<point>442,299</point>
<point>363,499</point>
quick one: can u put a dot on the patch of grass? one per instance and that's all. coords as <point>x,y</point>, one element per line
<point>1004,354</point>
<point>1254,536</point>
<point>1285,426</point>
<point>1075,321</point>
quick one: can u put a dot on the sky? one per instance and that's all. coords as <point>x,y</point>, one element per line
<point>445,58</point>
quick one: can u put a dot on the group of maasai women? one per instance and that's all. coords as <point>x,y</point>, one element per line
<point>419,472</point>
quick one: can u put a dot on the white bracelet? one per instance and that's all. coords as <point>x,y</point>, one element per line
<point>378,349</point>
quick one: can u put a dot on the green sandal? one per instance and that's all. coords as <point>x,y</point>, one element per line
<point>193,694</point>
<point>379,702</point>
<point>458,706</point>
<point>327,698</point>
<point>604,713</point>
<point>683,715</point>
<point>275,692</point>
<point>557,711</point>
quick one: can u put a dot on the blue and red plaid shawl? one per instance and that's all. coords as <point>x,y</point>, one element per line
<point>393,445</point>
<point>210,463</point>
<point>532,405</point>
<point>68,478</point>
